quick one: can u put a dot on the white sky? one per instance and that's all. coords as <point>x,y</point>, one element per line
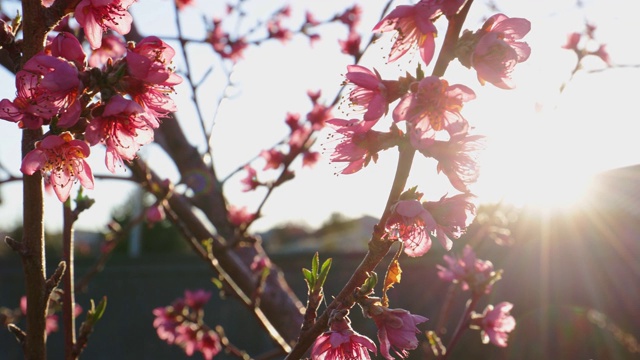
<point>590,128</point>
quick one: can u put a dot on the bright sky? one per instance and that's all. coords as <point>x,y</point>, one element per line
<point>542,145</point>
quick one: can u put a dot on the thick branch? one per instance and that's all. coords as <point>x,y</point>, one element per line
<point>33,260</point>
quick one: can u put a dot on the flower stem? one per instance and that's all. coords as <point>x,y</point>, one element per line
<point>462,326</point>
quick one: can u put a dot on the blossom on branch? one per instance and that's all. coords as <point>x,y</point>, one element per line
<point>498,50</point>
<point>358,144</point>
<point>397,329</point>
<point>61,159</point>
<point>369,93</point>
<point>123,127</point>
<point>495,323</point>
<point>433,105</point>
<point>415,223</point>
<point>150,78</point>
<point>113,47</point>
<point>96,16</point>
<point>341,342</point>
<point>457,158</point>
<point>414,27</point>
<point>411,224</point>
<point>473,273</point>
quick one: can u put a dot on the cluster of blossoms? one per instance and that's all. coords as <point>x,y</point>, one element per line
<point>582,44</point>
<point>182,324</point>
<point>116,100</point>
<point>231,47</point>
<point>429,109</point>
<point>298,142</point>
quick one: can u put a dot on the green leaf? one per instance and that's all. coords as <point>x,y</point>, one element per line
<point>99,311</point>
<point>324,271</point>
<point>309,277</point>
<point>314,263</point>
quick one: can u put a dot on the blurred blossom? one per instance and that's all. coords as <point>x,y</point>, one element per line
<point>472,273</point>
<point>273,157</point>
<point>495,324</point>
<point>250,182</point>
<point>239,216</point>
<point>196,299</point>
<point>155,213</point>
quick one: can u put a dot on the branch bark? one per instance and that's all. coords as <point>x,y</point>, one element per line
<point>33,259</point>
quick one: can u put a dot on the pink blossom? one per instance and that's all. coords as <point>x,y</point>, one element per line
<point>434,105</point>
<point>453,215</point>
<point>59,86</point>
<point>299,137</point>
<point>351,17</point>
<point>472,273</point>
<point>222,43</point>
<point>495,323</point>
<point>341,342</point>
<point>239,216</point>
<point>181,4</point>
<point>498,50</point>
<point>67,46</point>
<point>46,86</point>
<point>415,28</point>
<point>113,47</point>
<point>196,299</point>
<point>310,158</point>
<point>273,157</point>
<point>251,180</point>
<point>369,93</point>
<point>397,329</point>
<point>149,60</point>
<point>123,128</point>
<point>187,337</point>
<point>603,54</point>
<point>457,158</point>
<point>60,158</point>
<point>572,41</point>
<point>155,213</point>
<point>357,143</point>
<point>319,114</point>
<point>166,322</point>
<point>209,344</point>
<point>28,109</point>
<point>411,224</point>
<point>96,16</point>
<point>277,31</point>
<point>351,46</point>
<point>151,79</point>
